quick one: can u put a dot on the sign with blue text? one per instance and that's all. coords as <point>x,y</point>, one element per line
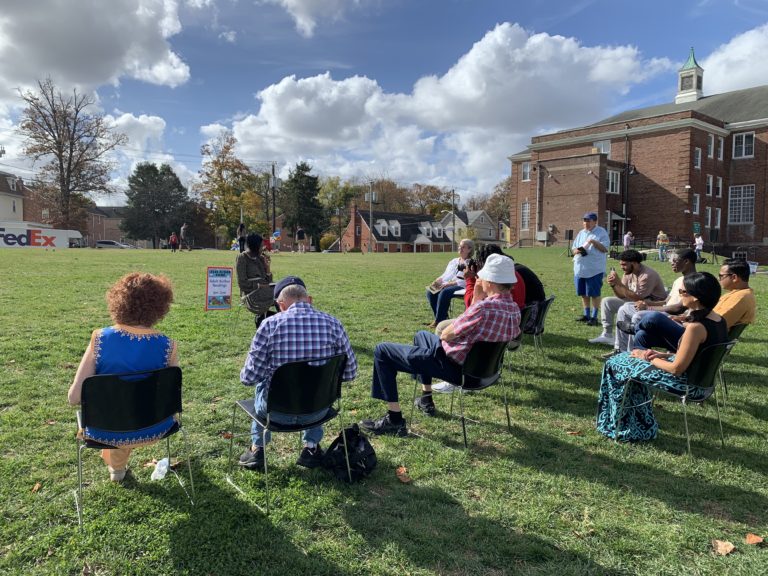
<point>218,291</point>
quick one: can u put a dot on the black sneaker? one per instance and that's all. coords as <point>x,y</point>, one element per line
<point>584,319</point>
<point>385,426</point>
<point>593,322</point>
<point>310,457</point>
<point>626,327</point>
<point>253,460</point>
<point>425,404</point>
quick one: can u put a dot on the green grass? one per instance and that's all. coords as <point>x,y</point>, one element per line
<point>537,501</point>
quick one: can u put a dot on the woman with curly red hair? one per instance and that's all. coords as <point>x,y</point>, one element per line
<point>136,302</point>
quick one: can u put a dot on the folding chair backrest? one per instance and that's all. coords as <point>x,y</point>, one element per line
<point>306,386</point>
<point>124,402</point>
<point>704,367</point>
<point>735,332</point>
<point>483,364</point>
<point>543,311</point>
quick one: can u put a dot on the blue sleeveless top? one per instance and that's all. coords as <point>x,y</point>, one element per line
<point>120,349</point>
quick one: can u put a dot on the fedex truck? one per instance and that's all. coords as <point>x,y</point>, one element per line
<point>24,235</point>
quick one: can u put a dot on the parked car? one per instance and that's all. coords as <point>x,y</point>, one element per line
<point>111,244</point>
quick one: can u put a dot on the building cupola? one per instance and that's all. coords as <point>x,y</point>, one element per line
<point>689,81</point>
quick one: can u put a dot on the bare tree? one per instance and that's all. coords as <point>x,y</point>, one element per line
<point>72,143</point>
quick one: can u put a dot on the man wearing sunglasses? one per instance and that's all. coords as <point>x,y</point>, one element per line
<point>737,305</point>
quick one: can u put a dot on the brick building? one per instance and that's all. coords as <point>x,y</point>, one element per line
<point>394,232</point>
<point>698,164</point>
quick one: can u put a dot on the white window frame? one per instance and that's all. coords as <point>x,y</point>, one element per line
<point>710,182</point>
<point>395,230</point>
<point>721,147</point>
<point>525,172</point>
<point>613,183</point>
<point>719,187</point>
<point>14,206</point>
<point>710,145</point>
<point>438,232</point>
<point>742,136</point>
<point>490,232</point>
<point>708,217</point>
<point>717,218</point>
<point>741,204</point>
<point>357,231</point>
<point>604,147</point>
<point>428,231</point>
<point>525,216</point>
<point>695,203</point>
<point>697,158</point>
<point>45,213</point>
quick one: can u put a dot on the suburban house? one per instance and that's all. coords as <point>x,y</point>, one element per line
<point>11,198</point>
<point>394,232</point>
<point>505,234</point>
<point>476,225</point>
<point>695,165</point>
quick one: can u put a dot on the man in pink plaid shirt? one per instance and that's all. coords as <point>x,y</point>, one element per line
<point>494,319</point>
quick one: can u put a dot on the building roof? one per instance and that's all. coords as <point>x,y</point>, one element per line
<point>730,107</point>
<point>108,211</point>
<point>410,227</point>
<point>5,185</point>
<point>691,63</point>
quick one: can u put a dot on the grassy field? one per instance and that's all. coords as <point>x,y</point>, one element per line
<point>554,497</point>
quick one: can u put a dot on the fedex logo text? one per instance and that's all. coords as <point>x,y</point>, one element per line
<point>32,237</point>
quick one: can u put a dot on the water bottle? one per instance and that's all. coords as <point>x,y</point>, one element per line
<point>161,469</point>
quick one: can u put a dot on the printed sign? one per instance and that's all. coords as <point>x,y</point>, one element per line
<point>697,228</point>
<point>218,292</point>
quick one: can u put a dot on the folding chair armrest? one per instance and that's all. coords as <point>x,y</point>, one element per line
<point>79,419</point>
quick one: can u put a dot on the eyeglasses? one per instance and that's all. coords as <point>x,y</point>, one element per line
<point>682,292</point>
<point>721,276</point>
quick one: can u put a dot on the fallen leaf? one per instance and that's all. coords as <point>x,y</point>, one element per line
<point>722,547</point>
<point>575,433</point>
<point>226,435</point>
<point>11,361</point>
<point>50,422</point>
<point>176,463</point>
<point>753,539</point>
<point>36,487</point>
<point>150,463</point>
<point>402,475</point>
<point>217,398</point>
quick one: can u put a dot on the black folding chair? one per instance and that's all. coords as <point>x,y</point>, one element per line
<point>130,402</point>
<point>541,318</point>
<point>296,388</point>
<point>481,369</point>
<point>733,334</point>
<point>701,375</point>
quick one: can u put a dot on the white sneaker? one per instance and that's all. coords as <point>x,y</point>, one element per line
<point>604,338</point>
<point>443,387</point>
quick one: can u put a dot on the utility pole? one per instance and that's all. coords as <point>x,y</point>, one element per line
<point>453,213</point>
<point>370,215</point>
<point>2,150</point>
<point>273,184</point>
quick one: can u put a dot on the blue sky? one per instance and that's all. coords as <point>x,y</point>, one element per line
<point>428,91</point>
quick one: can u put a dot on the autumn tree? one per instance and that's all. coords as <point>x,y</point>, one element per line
<point>299,201</point>
<point>428,199</point>
<point>334,195</point>
<point>500,202</point>
<point>73,145</point>
<point>228,186</point>
<point>156,203</point>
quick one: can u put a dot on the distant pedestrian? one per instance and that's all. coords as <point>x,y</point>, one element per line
<point>174,242</point>
<point>301,239</point>
<point>185,236</point>
<point>698,246</point>
<point>662,243</point>
<point>628,239</point>
<point>241,234</point>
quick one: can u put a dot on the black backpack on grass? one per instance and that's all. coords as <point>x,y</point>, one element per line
<point>362,456</point>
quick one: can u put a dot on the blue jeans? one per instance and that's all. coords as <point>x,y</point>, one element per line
<point>656,329</point>
<point>260,437</point>
<point>441,301</point>
<point>426,359</point>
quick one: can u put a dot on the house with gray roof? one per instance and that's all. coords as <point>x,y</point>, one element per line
<point>476,225</point>
<point>693,165</point>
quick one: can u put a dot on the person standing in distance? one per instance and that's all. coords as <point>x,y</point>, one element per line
<point>590,254</point>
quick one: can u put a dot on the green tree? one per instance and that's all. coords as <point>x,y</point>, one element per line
<point>73,145</point>
<point>299,201</point>
<point>430,199</point>
<point>228,186</point>
<point>156,203</point>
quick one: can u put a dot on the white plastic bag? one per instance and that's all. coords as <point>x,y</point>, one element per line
<point>161,469</point>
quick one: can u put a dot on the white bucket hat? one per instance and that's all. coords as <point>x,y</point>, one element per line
<point>499,269</point>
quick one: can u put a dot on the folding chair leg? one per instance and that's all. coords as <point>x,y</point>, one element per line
<point>506,407</point>
<point>266,471</point>
<point>79,492</point>
<point>463,424</point>
<point>187,456</point>
<point>344,441</point>
<point>685,419</point>
<point>413,401</point>
<point>620,413</point>
<point>720,422</point>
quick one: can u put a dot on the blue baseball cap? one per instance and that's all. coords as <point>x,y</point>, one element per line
<point>590,216</point>
<point>288,281</point>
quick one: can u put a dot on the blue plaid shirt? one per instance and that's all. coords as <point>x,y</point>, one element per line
<point>299,333</point>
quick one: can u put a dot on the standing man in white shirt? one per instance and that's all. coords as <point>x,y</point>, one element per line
<point>590,254</point>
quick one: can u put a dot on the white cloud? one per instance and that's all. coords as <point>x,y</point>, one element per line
<point>740,63</point>
<point>229,36</point>
<point>307,13</point>
<point>454,129</point>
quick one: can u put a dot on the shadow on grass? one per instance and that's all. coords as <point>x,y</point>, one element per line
<point>434,532</point>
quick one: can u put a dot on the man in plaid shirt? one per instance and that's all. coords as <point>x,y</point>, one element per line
<point>299,332</point>
<point>494,319</point>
